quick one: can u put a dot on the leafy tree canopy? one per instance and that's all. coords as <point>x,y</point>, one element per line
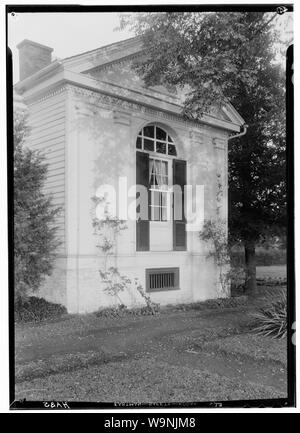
<point>228,57</point>
<point>211,54</point>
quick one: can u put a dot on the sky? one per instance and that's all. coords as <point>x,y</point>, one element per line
<point>67,33</point>
<point>70,35</point>
<point>74,33</point>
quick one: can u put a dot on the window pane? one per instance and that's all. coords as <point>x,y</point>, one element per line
<point>154,213</point>
<point>154,139</point>
<point>155,198</point>
<point>172,150</point>
<point>160,134</point>
<point>164,182</point>
<point>161,147</point>
<point>153,181</point>
<point>164,215</point>
<point>153,170</point>
<point>164,199</point>
<point>164,168</point>
<point>139,143</point>
<point>149,131</point>
<point>148,145</point>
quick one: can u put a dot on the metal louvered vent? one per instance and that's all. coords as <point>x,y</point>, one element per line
<point>162,279</point>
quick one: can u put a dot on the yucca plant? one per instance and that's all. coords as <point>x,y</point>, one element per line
<point>272,320</point>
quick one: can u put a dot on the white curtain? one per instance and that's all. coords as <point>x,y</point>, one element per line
<point>155,178</point>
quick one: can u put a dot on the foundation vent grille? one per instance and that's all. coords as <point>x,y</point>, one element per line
<point>162,279</point>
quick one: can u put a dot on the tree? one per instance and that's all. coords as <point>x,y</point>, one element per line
<point>228,57</point>
<point>34,215</point>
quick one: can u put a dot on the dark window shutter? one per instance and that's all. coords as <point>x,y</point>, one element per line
<point>179,220</point>
<point>142,178</point>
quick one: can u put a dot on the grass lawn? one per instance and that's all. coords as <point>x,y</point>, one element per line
<point>177,356</point>
<point>273,272</point>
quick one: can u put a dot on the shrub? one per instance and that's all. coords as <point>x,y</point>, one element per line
<point>33,309</point>
<point>272,320</point>
<point>119,311</point>
<point>123,311</point>
<point>212,304</point>
<point>35,239</point>
<point>151,307</point>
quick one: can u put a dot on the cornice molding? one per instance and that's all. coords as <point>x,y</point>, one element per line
<point>108,65</point>
<point>115,102</point>
<point>96,97</point>
<point>49,94</point>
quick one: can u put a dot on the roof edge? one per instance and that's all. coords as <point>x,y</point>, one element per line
<point>104,47</point>
<point>85,83</point>
<point>21,86</point>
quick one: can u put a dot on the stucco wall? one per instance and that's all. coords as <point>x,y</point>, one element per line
<point>89,139</point>
<point>102,147</point>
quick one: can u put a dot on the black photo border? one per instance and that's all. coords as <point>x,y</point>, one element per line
<point>290,401</point>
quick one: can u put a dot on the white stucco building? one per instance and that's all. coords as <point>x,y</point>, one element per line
<point>96,123</point>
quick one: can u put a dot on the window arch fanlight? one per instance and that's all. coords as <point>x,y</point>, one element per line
<point>152,138</point>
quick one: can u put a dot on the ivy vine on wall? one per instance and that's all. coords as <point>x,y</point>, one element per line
<point>215,233</point>
<point>107,229</point>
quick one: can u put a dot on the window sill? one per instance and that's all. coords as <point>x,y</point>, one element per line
<point>162,251</point>
<point>167,289</point>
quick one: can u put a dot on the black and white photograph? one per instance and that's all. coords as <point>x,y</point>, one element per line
<point>150,198</point>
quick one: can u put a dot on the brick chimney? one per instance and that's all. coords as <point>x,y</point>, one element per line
<point>32,57</point>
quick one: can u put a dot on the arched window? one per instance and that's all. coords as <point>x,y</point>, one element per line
<point>158,169</point>
<point>152,138</point>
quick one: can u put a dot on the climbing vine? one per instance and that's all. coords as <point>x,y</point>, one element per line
<point>107,229</point>
<point>214,232</point>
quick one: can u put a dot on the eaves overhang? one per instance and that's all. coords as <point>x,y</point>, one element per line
<point>39,77</point>
<point>57,76</point>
